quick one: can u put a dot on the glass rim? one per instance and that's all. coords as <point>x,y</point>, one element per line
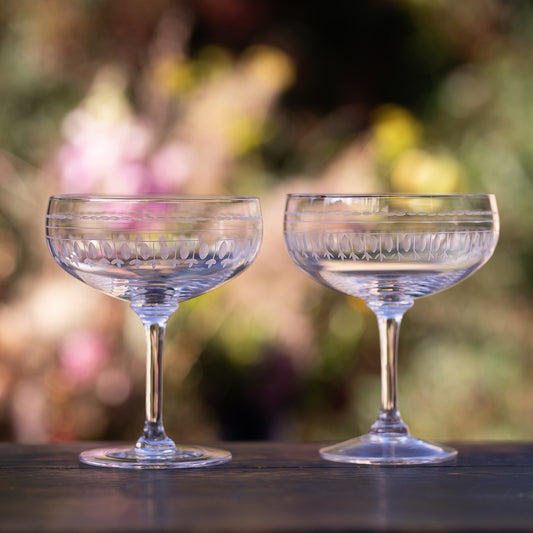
<point>391,195</point>
<point>154,197</point>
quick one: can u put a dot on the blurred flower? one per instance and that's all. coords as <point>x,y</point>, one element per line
<point>418,171</point>
<point>82,355</point>
<point>226,115</point>
<point>172,75</point>
<point>271,67</point>
<point>170,166</point>
<point>395,130</point>
<point>103,155</point>
<point>109,150</point>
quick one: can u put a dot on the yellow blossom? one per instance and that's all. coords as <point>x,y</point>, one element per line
<point>172,75</point>
<point>270,66</point>
<point>418,171</point>
<point>395,131</point>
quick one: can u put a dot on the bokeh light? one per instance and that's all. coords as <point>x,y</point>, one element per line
<point>264,98</point>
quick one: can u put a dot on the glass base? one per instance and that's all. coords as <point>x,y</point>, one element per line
<point>130,457</point>
<point>383,449</point>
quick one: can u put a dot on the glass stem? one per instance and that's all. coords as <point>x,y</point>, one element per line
<point>154,439</point>
<point>389,420</point>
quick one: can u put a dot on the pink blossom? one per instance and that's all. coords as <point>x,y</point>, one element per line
<point>170,167</point>
<point>117,157</point>
<point>82,355</point>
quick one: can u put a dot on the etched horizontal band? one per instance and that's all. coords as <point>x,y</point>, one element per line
<point>392,213</point>
<point>119,217</point>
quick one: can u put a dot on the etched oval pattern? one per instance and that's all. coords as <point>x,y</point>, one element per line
<point>390,247</point>
<point>137,254</point>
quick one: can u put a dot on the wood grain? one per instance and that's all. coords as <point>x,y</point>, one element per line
<point>267,487</point>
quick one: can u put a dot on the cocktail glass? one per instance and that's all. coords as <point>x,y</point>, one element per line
<point>388,250</point>
<point>154,252</point>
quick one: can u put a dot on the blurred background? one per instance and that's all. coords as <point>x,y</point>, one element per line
<point>264,97</point>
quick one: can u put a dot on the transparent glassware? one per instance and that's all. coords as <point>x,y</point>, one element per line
<point>389,250</point>
<point>154,252</point>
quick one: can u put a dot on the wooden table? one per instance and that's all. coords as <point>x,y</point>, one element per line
<point>267,487</point>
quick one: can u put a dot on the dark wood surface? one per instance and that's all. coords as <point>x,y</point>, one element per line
<point>267,487</point>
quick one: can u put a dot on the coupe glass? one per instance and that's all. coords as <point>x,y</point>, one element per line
<point>154,252</point>
<point>388,250</point>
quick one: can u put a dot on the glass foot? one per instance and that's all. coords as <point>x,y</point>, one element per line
<point>388,450</point>
<point>130,457</point>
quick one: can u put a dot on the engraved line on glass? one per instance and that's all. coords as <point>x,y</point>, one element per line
<point>348,212</point>
<point>144,217</point>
